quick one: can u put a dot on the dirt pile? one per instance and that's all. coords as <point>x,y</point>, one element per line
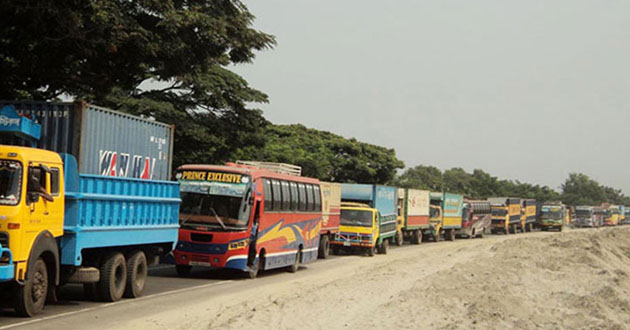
<point>578,279</point>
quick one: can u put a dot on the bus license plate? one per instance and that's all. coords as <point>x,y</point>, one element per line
<point>199,263</point>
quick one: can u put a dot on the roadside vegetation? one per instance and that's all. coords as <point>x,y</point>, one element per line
<point>170,60</point>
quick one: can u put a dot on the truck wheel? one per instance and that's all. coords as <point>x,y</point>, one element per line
<point>450,234</point>
<point>31,296</point>
<point>113,280</point>
<point>296,265</point>
<point>183,270</point>
<point>324,247</point>
<point>384,246</point>
<point>137,272</point>
<point>399,238</point>
<point>416,237</point>
<point>370,251</point>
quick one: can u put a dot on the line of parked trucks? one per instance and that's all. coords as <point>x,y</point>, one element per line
<point>85,198</point>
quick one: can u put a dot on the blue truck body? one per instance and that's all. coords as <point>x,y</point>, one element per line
<point>382,198</point>
<point>103,211</point>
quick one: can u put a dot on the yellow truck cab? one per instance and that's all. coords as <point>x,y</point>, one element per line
<point>358,229</point>
<point>32,214</point>
<point>436,217</point>
<point>506,215</point>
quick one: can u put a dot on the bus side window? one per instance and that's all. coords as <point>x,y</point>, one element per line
<point>268,195</point>
<point>286,196</point>
<point>309,198</point>
<point>294,196</point>
<point>277,195</point>
<point>302,197</point>
<point>318,198</point>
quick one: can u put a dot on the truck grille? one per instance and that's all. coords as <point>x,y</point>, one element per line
<point>4,240</point>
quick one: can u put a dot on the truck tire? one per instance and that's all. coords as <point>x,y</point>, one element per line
<point>113,280</point>
<point>183,270</point>
<point>384,246</point>
<point>370,251</point>
<point>296,265</point>
<point>31,297</point>
<point>399,238</point>
<point>324,247</point>
<point>137,273</point>
<point>85,275</point>
<point>450,235</point>
<point>416,237</point>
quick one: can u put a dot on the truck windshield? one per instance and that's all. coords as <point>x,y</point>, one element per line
<point>10,182</point>
<point>499,212</point>
<point>583,213</point>
<point>356,218</point>
<point>552,215</point>
<point>224,212</point>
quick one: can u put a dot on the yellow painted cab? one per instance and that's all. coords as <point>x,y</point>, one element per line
<point>358,229</point>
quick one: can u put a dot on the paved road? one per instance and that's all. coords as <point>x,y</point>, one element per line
<point>165,290</point>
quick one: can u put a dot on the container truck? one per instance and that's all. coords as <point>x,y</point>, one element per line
<point>528,214</point>
<point>588,216</point>
<point>552,216</point>
<point>368,218</point>
<point>59,226</point>
<point>436,218</point>
<point>611,217</point>
<point>626,219</point>
<point>476,218</point>
<point>506,214</point>
<point>331,208</point>
<point>452,206</point>
<point>413,207</point>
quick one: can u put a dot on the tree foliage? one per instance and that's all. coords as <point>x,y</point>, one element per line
<point>325,155</point>
<point>580,189</point>
<point>477,184</point>
<point>102,51</point>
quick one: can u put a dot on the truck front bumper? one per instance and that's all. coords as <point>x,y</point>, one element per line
<point>7,268</point>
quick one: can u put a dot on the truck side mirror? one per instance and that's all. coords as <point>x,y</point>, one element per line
<point>32,197</point>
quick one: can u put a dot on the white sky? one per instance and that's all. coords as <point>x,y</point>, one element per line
<point>528,90</point>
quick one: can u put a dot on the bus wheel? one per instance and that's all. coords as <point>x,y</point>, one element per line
<point>296,265</point>
<point>253,271</point>
<point>113,277</point>
<point>399,238</point>
<point>324,247</point>
<point>183,270</point>
<point>137,271</point>
<point>31,296</point>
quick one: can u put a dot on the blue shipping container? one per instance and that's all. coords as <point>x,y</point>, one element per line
<point>381,198</point>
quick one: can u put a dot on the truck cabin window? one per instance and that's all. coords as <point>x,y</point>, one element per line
<point>10,182</point>
<point>356,218</point>
<point>36,186</point>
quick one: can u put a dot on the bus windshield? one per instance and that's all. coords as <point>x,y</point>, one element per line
<point>224,206</point>
<point>10,182</point>
<point>356,218</point>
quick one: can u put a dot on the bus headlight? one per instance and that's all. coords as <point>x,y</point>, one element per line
<point>238,244</point>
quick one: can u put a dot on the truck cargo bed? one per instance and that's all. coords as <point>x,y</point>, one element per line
<point>108,211</point>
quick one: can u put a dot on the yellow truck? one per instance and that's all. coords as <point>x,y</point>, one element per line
<point>358,229</point>
<point>528,214</point>
<point>553,215</point>
<point>506,215</point>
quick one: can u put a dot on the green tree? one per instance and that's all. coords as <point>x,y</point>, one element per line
<point>421,177</point>
<point>325,155</point>
<point>580,189</point>
<point>103,51</point>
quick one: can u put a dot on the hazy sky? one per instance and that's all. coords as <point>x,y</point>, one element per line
<point>528,90</point>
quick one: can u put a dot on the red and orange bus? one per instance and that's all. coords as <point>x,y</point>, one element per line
<point>246,218</point>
